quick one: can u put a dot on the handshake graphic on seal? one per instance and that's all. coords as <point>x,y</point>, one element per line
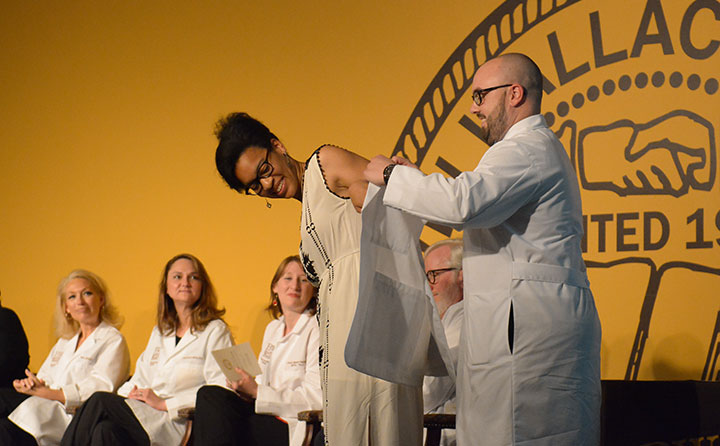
<point>669,155</point>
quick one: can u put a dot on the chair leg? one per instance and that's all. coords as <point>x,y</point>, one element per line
<point>432,438</point>
<point>188,431</point>
<point>309,430</point>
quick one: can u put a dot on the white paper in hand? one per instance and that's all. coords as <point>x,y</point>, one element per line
<point>240,356</point>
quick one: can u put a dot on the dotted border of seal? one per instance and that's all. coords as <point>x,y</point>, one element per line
<point>624,83</point>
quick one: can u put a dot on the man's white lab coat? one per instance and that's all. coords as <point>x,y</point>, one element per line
<point>521,214</point>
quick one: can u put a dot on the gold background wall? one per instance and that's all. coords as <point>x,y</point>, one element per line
<point>107,153</point>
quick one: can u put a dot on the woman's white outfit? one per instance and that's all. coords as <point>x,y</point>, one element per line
<point>358,409</point>
<point>101,363</point>
<point>175,373</point>
<point>290,378</point>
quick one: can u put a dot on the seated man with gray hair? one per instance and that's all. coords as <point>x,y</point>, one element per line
<point>443,268</point>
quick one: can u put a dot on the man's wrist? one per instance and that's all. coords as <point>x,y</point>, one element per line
<point>387,171</point>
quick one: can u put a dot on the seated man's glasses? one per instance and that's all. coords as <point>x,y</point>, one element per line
<point>433,273</point>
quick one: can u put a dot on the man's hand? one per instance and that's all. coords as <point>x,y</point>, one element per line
<point>374,170</point>
<point>403,162</point>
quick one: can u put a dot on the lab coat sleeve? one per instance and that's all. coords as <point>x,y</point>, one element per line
<point>218,337</point>
<point>142,378</point>
<point>110,369</point>
<point>504,181</point>
<point>437,390</point>
<point>287,402</point>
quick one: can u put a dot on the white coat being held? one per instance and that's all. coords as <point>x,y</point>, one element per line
<point>101,363</point>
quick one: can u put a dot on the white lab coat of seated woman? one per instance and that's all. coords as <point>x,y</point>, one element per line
<point>290,378</point>
<point>101,363</point>
<point>175,373</point>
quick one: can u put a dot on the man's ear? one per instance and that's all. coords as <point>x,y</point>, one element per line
<point>518,95</point>
<point>460,278</point>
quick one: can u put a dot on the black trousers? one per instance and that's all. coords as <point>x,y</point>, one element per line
<point>105,420</point>
<point>10,433</point>
<point>222,418</point>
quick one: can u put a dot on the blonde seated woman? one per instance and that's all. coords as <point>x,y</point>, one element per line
<point>174,365</point>
<point>91,355</point>
<point>263,410</point>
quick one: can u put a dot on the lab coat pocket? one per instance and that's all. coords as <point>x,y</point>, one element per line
<point>189,372</point>
<point>486,319</point>
<point>394,328</point>
<point>477,310</point>
<point>293,373</point>
<point>80,366</point>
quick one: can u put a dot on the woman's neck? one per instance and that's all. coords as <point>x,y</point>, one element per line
<point>85,331</point>
<point>299,169</point>
<point>184,315</point>
<point>290,321</point>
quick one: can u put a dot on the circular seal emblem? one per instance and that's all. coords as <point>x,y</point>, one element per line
<point>634,99</point>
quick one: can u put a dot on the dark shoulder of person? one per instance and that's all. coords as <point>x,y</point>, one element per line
<point>14,357</point>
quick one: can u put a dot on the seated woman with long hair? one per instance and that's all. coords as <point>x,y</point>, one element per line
<point>90,355</point>
<point>263,410</point>
<point>174,365</point>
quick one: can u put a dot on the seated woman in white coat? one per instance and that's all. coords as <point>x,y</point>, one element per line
<point>90,355</point>
<point>174,365</point>
<point>263,410</point>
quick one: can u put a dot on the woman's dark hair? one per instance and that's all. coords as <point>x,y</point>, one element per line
<point>203,311</point>
<point>235,133</point>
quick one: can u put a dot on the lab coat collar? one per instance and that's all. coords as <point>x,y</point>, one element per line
<point>96,336</point>
<point>523,125</point>
<point>169,343</point>
<point>452,310</point>
<point>70,352</point>
<point>299,325</point>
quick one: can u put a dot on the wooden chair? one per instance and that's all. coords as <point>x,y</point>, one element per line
<point>188,414</point>
<point>434,423</point>
<point>313,422</point>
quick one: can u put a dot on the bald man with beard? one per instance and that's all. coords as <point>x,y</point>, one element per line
<point>529,356</point>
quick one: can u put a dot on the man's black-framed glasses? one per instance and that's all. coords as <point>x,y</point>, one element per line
<point>479,95</point>
<point>264,170</point>
<point>433,273</point>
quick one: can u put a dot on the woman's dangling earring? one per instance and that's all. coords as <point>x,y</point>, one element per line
<point>275,300</point>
